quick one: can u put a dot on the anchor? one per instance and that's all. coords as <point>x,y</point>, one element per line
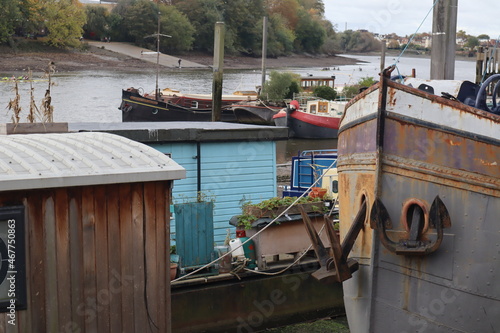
<point>335,268</point>
<point>439,219</point>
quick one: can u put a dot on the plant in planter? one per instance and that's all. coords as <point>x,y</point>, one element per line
<point>273,207</point>
<point>174,262</point>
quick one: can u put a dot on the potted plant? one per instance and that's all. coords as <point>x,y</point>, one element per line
<point>174,262</point>
<point>273,207</point>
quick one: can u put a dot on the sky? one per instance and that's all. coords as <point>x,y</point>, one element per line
<point>403,17</point>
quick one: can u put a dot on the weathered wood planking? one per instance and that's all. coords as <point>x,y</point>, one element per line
<point>151,257</point>
<point>76,255</point>
<point>63,257</point>
<point>127,271</point>
<point>52,308</point>
<point>162,242</point>
<point>114,264</point>
<point>36,244</point>
<point>138,254</point>
<point>102,262</point>
<point>96,259</point>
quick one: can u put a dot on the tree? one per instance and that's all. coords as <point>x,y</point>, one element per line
<point>141,20</point>
<point>310,33</point>
<point>351,91</point>
<point>64,21</point>
<point>279,37</point>
<point>393,44</point>
<point>462,34</point>
<point>32,19</point>
<point>316,5</point>
<point>325,92</point>
<point>288,9</point>
<point>9,14</point>
<point>472,42</point>
<point>241,18</point>
<point>177,25</point>
<point>203,14</point>
<point>331,43</point>
<point>280,86</point>
<point>97,25</point>
<point>358,41</point>
<point>483,36</point>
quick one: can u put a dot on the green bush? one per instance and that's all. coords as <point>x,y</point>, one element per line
<point>281,85</point>
<point>325,92</point>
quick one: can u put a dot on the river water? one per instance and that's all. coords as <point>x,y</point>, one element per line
<point>95,96</point>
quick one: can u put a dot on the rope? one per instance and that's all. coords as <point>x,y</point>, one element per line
<point>257,233</point>
<point>413,36</point>
<point>264,104</point>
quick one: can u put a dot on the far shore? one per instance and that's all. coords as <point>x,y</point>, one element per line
<point>97,59</point>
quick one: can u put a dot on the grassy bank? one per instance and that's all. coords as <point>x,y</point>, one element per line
<point>335,325</point>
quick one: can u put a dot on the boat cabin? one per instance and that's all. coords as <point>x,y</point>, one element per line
<point>325,108</point>
<point>308,83</point>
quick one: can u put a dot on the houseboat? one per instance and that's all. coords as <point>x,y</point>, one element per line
<point>316,119</point>
<point>419,173</point>
<point>171,105</point>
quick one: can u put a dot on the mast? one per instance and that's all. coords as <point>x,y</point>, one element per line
<point>157,35</point>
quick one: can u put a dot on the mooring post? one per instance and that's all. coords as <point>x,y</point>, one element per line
<point>218,71</point>
<point>382,56</point>
<point>480,56</point>
<point>444,27</point>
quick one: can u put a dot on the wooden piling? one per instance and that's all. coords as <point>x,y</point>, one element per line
<point>264,51</point>
<point>218,71</point>
<point>444,27</point>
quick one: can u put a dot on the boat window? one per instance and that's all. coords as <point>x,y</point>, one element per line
<point>323,107</point>
<point>335,186</point>
<point>313,108</point>
<point>194,104</point>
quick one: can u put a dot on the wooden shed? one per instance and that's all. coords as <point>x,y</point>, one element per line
<point>86,215</point>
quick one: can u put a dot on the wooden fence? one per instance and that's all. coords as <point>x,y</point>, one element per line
<point>487,63</point>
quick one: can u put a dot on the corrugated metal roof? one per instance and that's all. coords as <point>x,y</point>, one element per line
<point>75,159</point>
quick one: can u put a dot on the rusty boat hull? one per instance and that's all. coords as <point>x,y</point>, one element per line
<point>427,168</point>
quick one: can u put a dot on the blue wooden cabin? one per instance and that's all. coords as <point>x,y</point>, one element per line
<point>228,163</point>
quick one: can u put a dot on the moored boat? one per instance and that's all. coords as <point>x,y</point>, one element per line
<point>319,119</point>
<point>204,101</point>
<point>255,112</point>
<point>307,167</point>
<point>173,107</point>
<point>423,171</point>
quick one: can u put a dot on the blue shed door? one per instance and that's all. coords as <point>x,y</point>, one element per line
<point>194,228</point>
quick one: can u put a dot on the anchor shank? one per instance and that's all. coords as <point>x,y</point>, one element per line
<point>317,244</point>
<point>353,232</point>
